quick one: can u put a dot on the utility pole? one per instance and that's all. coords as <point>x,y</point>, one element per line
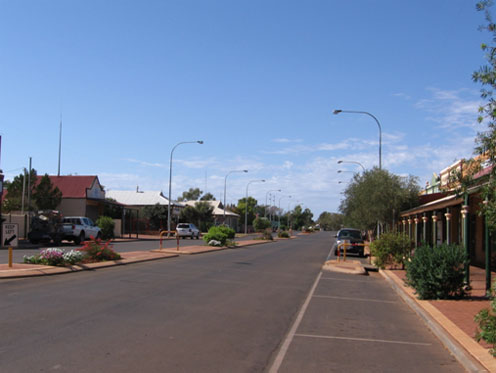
<point>60,143</point>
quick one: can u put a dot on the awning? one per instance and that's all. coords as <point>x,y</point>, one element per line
<point>434,205</point>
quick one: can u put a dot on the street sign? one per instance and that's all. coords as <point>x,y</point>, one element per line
<point>10,234</point>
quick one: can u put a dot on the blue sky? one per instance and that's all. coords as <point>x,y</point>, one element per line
<point>257,81</point>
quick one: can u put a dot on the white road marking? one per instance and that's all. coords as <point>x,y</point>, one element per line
<point>285,345</point>
<point>363,339</point>
<point>342,279</point>
<point>357,299</point>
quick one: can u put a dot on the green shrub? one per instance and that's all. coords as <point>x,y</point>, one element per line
<point>218,234</point>
<point>106,224</point>
<point>283,234</point>
<point>437,273</point>
<point>391,248</point>
<point>228,231</point>
<point>486,320</point>
<point>259,224</point>
<point>267,234</point>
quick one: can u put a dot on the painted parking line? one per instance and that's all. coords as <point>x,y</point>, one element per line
<point>289,338</point>
<point>355,299</point>
<point>343,279</point>
<point>363,339</point>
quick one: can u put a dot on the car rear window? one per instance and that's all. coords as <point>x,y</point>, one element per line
<point>183,225</point>
<point>350,234</point>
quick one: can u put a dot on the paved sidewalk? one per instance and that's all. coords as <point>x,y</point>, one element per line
<point>452,320</point>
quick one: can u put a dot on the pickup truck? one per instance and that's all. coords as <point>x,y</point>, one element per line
<point>79,228</point>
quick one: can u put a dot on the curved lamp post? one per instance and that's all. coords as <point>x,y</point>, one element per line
<point>279,225</point>
<point>246,201</point>
<point>273,190</point>
<point>358,163</point>
<point>336,112</point>
<point>225,187</point>
<point>170,182</point>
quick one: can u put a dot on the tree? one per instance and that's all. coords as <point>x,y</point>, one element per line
<point>260,224</point>
<point>486,141</point>
<point>156,215</point>
<point>13,199</point>
<point>241,209</point>
<point>207,197</point>
<point>330,221</point>
<point>45,195</point>
<point>191,195</point>
<point>200,214</point>
<point>300,218</point>
<point>377,196</point>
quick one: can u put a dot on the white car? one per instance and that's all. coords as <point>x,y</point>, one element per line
<point>79,229</point>
<point>187,230</point>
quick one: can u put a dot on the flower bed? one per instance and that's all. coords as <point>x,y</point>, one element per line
<point>93,251</point>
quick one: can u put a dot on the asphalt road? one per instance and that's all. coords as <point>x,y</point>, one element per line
<point>227,311</point>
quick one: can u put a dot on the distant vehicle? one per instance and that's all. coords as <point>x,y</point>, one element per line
<point>351,236</point>
<point>79,228</point>
<point>187,230</point>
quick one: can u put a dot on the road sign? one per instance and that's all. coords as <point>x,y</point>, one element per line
<point>10,234</point>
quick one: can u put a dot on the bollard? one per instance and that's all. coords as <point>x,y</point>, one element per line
<point>10,256</point>
<point>177,241</point>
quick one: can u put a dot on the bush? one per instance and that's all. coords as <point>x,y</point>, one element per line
<point>283,234</point>
<point>217,234</point>
<point>267,234</point>
<point>437,273</point>
<point>391,248</point>
<point>229,232</point>
<point>259,224</point>
<point>96,251</point>
<point>106,224</point>
<point>486,320</point>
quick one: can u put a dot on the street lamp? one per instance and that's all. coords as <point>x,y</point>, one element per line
<point>225,187</point>
<point>246,201</point>
<point>170,182</point>
<point>336,112</point>
<point>358,163</point>
<point>273,190</point>
<point>339,171</point>
<point>279,225</point>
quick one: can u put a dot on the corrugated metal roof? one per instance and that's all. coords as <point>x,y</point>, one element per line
<point>141,198</point>
<point>216,205</point>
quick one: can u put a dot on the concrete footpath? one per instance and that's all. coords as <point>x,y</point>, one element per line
<point>452,321</point>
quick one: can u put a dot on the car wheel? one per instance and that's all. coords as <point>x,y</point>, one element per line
<point>192,236</point>
<point>198,236</point>
<point>99,235</point>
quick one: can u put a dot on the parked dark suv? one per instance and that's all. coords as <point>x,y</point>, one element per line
<point>352,236</point>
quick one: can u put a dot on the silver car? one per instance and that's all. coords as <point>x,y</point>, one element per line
<point>187,230</point>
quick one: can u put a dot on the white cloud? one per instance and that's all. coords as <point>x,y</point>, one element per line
<point>144,163</point>
<point>451,109</point>
<point>286,140</point>
<point>287,165</point>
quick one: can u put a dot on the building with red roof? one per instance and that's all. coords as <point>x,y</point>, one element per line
<point>81,195</point>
